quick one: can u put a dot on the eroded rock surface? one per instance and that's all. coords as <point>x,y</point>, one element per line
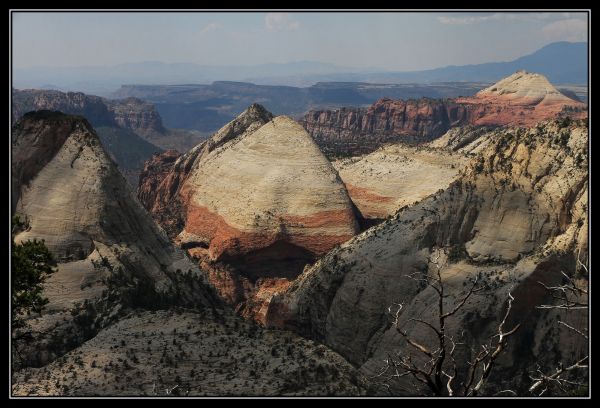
<point>395,176</point>
<point>522,99</point>
<point>516,216</point>
<point>111,254</point>
<point>257,201</point>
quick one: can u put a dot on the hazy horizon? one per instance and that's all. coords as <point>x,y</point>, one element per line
<point>406,41</point>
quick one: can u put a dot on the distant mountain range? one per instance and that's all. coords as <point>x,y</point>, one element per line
<point>560,62</point>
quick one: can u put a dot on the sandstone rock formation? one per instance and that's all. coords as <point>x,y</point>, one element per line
<point>395,176</point>
<point>357,130</point>
<point>128,313</point>
<point>91,107</point>
<point>522,99</point>
<point>258,196</point>
<point>164,175</point>
<point>137,115</point>
<point>130,130</point>
<point>111,255</point>
<point>271,186</point>
<point>517,217</point>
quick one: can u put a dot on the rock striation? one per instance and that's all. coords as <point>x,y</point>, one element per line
<point>522,99</point>
<point>136,115</point>
<point>395,176</point>
<point>350,131</point>
<point>258,197</point>
<point>271,186</point>
<point>129,313</point>
<point>91,107</point>
<point>111,254</point>
<point>130,113</point>
<point>516,216</point>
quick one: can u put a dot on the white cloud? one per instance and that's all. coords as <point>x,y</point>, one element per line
<point>280,21</point>
<point>473,19</point>
<point>210,27</point>
<point>566,30</point>
<point>462,20</point>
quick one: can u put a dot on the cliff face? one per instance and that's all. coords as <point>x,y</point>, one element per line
<point>522,99</point>
<point>92,108</point>
<point>111,255</point>
<point>137,115</point>
<point>158,191</point>
<point>517,215</point>
<point>352,131</point>
<point>131,113</point>
<point>254,203</point>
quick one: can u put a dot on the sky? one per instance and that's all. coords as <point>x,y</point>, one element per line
<point>398,41</point>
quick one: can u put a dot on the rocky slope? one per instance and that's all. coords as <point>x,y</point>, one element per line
<point>189,354</point>
<point>111,253</point>
<point>516,216</point>
<point>128,313</point>
<point>395,176</point>
<point>522,99</point>
<point>259,199</point>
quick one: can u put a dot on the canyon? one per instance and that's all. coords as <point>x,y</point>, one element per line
<point>282,257</point>
<point>119,279</point>
<point>130,129</point>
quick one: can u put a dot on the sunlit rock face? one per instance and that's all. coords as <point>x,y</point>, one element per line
<point>516,216</point>
<point>258,197</point>
<point>522,99</point>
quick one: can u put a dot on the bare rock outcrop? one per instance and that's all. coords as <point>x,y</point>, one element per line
<point>258,198</point>
<point>522,99</point>
<point>397,175</point>
<point>516,216</point>
<point>111,254</point>
<point>136,115</point>
<point>91,107</point>
<point>357,130</point>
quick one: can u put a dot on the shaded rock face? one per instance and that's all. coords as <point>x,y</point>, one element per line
<point>517,215</point>
<point>130,113</point>
<point>258,197</point>
<point>158,188</point>
<point>522,99</point>
<point>92,108</point>
<point>352,131</point>
<point>137,115</point>
<point>111,254</point>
